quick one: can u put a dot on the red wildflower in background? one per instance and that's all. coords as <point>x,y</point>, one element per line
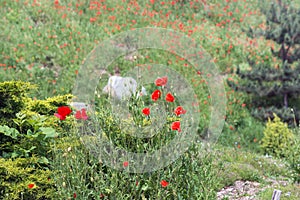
<point>56,2</point>
<point>164,183</point>
<point>93,19</point>
<point>31,185</point>
<point>74,195</point>
<point>81,114</point>
<point>176,126</point>
<point>146,111</point>
<point>170,97</point>
<point>62,112</point>
<point>125,164</point>
<point>161,81</point>
<point>156,95</point>
<point>179,110</point>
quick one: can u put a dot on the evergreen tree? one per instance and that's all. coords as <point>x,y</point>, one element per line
<point>274,88</point>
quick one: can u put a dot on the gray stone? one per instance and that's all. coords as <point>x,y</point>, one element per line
<point>122,87</point>
<point>79,105</point>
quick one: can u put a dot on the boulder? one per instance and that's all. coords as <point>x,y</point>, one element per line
<point>122,87</point>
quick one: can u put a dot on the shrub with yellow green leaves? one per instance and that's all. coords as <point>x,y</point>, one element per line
<point>14,99</point>
<point>49,105</point>
<point>27,125</point>
<point>23,178</point>
<point>13,95</point>
<point>277,137</point>
<point>27,129</point>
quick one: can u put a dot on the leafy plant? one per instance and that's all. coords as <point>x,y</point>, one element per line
<point>277,138</point>
<point>25,178</point>
<point>13,95</point>
<point>35,141</point>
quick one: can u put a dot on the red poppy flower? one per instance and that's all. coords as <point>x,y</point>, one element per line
<point>146,111</point>
<point>161,81</point>
<point>93,19</point>
<point>31,185</point>
<point>170,97</point>
<point>125,164</point>
<point>176,126</point>
<point>81,114</point>
<point>164,183</point>
<point>179,110</point>
<point>62,112</point>
<point>156,95</point>
<point>74,195</point>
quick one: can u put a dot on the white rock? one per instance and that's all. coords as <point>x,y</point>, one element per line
<point>122,87</point>
<point>79,105</point>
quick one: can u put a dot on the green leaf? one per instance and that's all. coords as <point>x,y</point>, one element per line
<point>49,132</point>
<point>145,187</point>
<point>11,132</point>
<point>14,155</point>
<point>31,134</point>
<point>43,160</point>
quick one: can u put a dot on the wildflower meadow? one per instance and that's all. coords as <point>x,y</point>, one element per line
<point>148,99</point>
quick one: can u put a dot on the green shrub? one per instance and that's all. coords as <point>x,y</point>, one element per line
<point>13,95</point>
<point>26,124</point>
<point>277,137</point>
<point>14,100</point>
<point>49,105</point>
<point>27,129</point>
<point>17,174</point>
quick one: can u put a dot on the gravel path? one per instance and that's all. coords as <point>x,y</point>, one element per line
<point>246,190</point>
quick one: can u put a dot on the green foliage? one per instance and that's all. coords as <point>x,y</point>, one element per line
<point>35,141</point>
<point>293,158</point>
<point>241,128</point>
<point>28,125</point>
<point>277,138</point>
<point>49,105</point>
<point>268,87</point>
<point>44,43</point>
<point>13,95</point>
<point>283,22</point>
<point>17,174</point>
<point>192,176</point>
<point>273,86</point>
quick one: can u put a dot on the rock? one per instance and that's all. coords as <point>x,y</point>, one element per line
<point>122,87</point>
<point>79,105</point>
<point>242,190</point>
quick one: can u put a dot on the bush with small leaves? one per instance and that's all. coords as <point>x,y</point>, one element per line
<point>277,137</point>
<point>23,178</point>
